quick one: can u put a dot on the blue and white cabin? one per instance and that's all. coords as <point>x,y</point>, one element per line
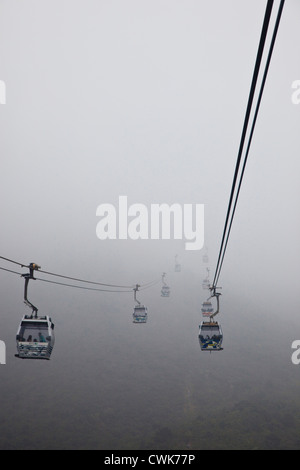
<point>35,337</point>
<point>140,314</point>
<point>210,336</point>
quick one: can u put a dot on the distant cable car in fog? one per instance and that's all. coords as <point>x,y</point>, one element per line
<point>165,290</point>
<point>177,265</point>
<point>140,312</point>
<point>205,258</point>
<point>210,332</point>
<point>35,335</point>
<point>207,309</point>
<point>206,282</point>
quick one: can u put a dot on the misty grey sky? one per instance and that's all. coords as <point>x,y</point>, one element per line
<point>146,99</point>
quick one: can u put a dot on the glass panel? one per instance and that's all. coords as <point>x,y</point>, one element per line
<point>34,332</point>
<point>210,337</point>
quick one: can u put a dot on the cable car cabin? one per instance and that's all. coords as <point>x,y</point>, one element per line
<point>165,291</point>
<point>207,309</point>
<point>35,338</point>
<point>177,268</point>
<point>206,284</point>
<point>140,314</point>
<point>210,336</point>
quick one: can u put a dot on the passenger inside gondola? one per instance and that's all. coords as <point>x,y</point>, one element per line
<point>30,331</point>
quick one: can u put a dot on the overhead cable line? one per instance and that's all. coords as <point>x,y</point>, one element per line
<point>10,271</point>
<point>246,121</point>
<point>83,280</point>
<point>66,277</point>
<point>150,284</point>
<point>80,287</point>
<point>14,262</point>
<point>115,287</point>
<point>144,286</point>
<point>69,277</point>
<point>253,126</point>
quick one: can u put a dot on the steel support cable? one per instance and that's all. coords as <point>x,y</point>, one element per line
<point>14,262</point>
<point>150,284</point>
<point>68,277</point>
<point>259,55</point>
<point>127,287</point>
<point>253,125</point>
<point>64,284</point>
<point>83,280</point>
<point>80,287</point>
<point>93,288</point>
<point>10,271</point>
<point>144,286</point>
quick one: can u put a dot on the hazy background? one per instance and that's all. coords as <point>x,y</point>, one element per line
<point>147,99</point>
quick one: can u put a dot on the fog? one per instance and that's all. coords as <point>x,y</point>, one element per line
<point>146,99</point>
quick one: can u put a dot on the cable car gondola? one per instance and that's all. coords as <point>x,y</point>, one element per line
<point>210,332</point>
<point>205,257</point>
<point>165,290</point>
<point>210,336</point>
<point>207,308</point>
<point>206,283</point>
<point>140,312</point>
<point>177,265</point>
<point>35,335</point>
